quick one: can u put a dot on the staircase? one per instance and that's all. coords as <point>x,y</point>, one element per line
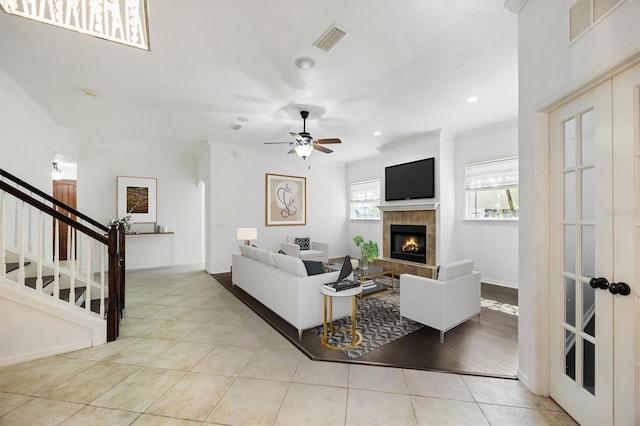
<point>49,306</point>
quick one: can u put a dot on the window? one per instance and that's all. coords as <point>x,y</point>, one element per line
<point>492,189</point>
<point>365,198</point>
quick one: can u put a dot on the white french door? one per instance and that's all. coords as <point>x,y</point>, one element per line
<point>594,245</point>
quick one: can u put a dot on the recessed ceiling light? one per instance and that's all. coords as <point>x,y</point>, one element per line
<point>472,99</point>
<point>377,133</point>
<point>304,63</point>
<point>91,93</point>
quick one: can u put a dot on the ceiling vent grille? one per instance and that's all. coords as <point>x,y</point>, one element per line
<point>586,13</point>
<point>330,38</point>
<point>600,7</point>
<point>579,18</point>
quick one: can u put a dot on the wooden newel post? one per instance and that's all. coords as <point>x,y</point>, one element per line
<point>114,275</point>
<point>122,251</point>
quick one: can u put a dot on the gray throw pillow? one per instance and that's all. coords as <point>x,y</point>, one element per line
<point>314,267</point>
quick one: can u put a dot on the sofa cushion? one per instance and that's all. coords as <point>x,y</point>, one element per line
<point>246,250</point>
<point>264,256</point>
<point>303,242</point>
<point>454,270</point>
<point>313,267</point>
<point>290,264</point>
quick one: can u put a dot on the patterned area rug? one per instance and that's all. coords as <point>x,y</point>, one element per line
<point>377,319</point>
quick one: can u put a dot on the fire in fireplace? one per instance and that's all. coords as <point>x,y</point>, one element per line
<point>408,242</point>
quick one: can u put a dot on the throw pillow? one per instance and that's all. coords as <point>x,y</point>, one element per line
<point>304,243</point>
<point>313,267</point>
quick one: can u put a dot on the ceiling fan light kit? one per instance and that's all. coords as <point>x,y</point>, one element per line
<point>304,142</point>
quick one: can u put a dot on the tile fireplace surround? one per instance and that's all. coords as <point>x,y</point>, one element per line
<point>410,217</point>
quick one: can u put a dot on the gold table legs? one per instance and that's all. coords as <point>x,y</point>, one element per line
<point>356,336</point>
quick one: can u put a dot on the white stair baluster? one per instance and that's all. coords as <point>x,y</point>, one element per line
<point>3,266</point>
<point>20,232</point>
<point>87,259</point>
<point>72,278</point>
<point>40,251</point>
<point>56,260</point>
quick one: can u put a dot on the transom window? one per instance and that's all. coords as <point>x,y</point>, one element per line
<point>492,189</point>
<point>365,198</point>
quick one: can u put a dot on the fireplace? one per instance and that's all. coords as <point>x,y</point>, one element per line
<point>408,242</point>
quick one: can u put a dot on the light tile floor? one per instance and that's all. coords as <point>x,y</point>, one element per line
<point>190,353</point>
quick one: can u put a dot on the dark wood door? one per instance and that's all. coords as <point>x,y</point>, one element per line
<point>65,191</point>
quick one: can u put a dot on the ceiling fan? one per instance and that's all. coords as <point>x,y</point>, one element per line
<point>304,143</point>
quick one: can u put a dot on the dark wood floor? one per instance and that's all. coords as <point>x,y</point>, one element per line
<point>487,347</point>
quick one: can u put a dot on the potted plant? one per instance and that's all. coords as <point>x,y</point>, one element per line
<point>369,250</point>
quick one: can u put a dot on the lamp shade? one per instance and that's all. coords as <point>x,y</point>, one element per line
<point>246,234</point>
<point>303,150</point>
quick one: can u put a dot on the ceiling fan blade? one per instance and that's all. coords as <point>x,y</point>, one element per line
<point>322,149</point>
<point>298,137</point>
<point>331,140</point>
<point>275,143</point>
<point>292,151</point>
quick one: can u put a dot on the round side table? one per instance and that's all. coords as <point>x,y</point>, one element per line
<point>327,329</point>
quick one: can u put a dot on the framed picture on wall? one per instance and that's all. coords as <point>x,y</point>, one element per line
<point>137,198</point>
<point>286,200</point>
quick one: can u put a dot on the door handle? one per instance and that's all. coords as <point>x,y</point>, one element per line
<point>601,283</point>
<point>622,289</point>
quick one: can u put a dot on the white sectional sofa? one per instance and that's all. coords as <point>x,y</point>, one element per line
<point>281,283</point>
<point>445,302</point>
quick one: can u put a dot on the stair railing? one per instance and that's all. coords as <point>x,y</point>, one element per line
<point>110,242</point>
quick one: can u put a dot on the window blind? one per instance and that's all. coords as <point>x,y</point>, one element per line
<point>496,174</point>
<point>365,191</point>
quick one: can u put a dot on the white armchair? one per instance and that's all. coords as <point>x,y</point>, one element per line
<point>445,302</point>
<point>317,250</point>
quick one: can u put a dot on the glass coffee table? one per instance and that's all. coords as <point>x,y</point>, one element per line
<point>383,279</point>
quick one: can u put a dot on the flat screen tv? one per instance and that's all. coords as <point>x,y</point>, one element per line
<point>409,181</point>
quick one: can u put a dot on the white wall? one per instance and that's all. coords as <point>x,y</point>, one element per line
<point>237,191</point>
<point>493,245</point>
<point>179,205</point>
<point>548,70</point>
<point>29,140</point>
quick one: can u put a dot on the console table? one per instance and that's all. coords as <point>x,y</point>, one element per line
<point>149,249</point>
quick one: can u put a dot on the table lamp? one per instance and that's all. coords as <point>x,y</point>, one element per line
<point>247,234</point>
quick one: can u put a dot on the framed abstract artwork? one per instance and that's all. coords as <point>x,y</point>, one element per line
<point>286,200</point>
<point>137,198</point>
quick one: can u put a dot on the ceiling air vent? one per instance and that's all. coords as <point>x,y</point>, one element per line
<point>579,18</point>
<point>600,7</point>
<point>330,38</point>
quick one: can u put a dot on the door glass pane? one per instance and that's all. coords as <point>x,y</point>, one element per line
<point>570,196</point>
<point>570,143</point>
<point>589,366</point>
<point>588,309</point>
<point>570,301</point>
<point>570,249</point>
<point>589,194</point>
<point>588,251</point>
<point>587,136</point>
<point>570,354</point>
